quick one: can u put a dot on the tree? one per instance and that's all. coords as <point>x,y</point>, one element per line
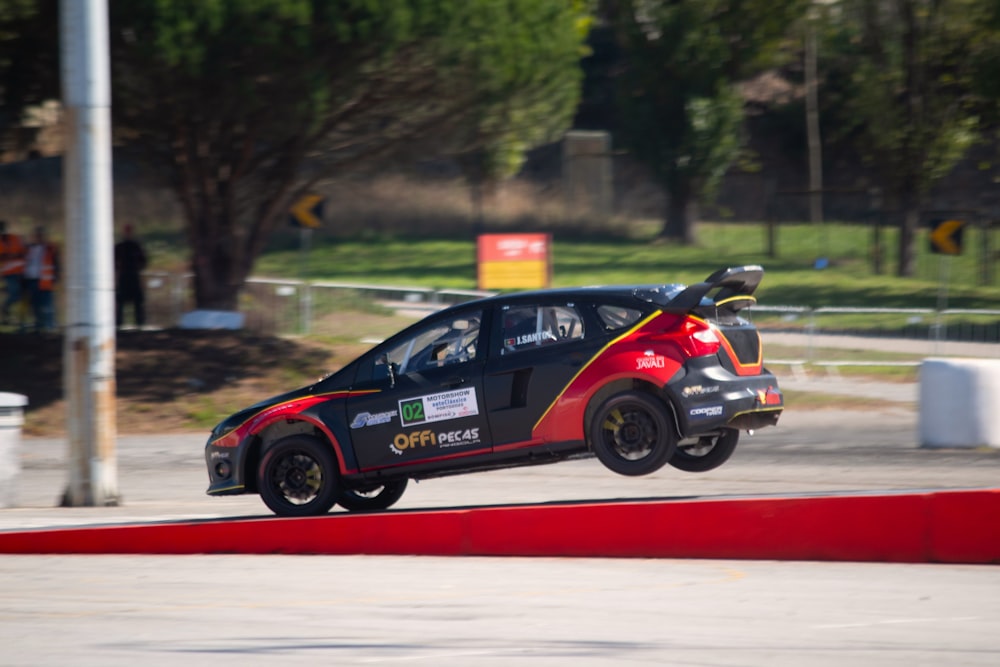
<point>908,104</point>
<point>533,100</point>
<point>680,112</point>
<point>247,103</point>
<point>29,58</point>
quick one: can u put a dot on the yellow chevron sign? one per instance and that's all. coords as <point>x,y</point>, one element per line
<point>946,237</point>
<point>308,211</point>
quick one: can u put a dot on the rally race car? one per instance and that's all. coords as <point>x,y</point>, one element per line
<point>640,376</point>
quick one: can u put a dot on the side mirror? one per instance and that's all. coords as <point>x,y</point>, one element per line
<point>383,360</point>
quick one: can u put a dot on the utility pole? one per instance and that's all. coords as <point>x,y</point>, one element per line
<point>812,122</point>
<point>813,133</point>
<point>89,342</point>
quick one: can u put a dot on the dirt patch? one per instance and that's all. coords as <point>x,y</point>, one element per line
<point>171,380</point>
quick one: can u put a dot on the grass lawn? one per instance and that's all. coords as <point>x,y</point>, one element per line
<point>791,279</point>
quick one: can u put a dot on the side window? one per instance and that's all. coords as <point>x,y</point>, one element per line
<point>444,343</point>
<point>530,327</point>
<point>618,317</point>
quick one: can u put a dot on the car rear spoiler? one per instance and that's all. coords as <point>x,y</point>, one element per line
<point>733,289</point>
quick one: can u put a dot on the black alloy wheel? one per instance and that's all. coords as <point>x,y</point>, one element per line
<point>298,477</point>
<point>632,435</point>
<point>372,498</point>
<point>706,452</point>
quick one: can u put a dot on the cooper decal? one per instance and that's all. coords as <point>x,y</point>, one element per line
<point>439,407</point>
<point>706,411</point>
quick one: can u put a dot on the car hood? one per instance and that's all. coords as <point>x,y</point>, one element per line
<point>237,418</point>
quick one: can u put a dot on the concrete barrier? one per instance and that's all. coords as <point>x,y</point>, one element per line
<point>941,527</point>
<point>11,420</point>
<point>212,319</point>
<point>959,403</point>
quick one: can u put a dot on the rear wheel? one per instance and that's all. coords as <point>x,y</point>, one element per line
<point>706,452</point>
<point>631,434</point>
<point>298,477</point>
<point>372,498</point>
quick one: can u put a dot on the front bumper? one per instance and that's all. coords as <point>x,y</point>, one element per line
<point>708,397</point>
<point>226,466</point>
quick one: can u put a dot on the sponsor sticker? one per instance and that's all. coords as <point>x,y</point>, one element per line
<point>705,412</point>
<point>438,407</point>
<point>363,419</point>
<point>423,438</point>
<point>654,361</point>
<point>699,390</point>
<point>536,337</point>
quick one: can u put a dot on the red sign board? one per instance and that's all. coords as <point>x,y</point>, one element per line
<point>515,261</point>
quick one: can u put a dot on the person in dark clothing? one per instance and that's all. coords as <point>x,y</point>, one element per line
<point>130,260</point>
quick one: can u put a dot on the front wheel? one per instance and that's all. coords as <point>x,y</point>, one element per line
<point>372,498</point>
<point>631,434</point>
<point>706,453</point>
<point>298,477</point>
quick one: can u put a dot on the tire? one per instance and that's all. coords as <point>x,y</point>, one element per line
<point>373,498</point>
<point>707,453</point>
<point>298,477</point>
<point>631,434</point>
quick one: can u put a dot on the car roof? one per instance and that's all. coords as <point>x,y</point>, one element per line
<point>571,293</point>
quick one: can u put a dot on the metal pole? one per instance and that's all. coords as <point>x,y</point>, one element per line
<point>812,124</point>
<point>89,342</point>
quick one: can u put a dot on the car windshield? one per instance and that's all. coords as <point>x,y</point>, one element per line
<point>441,344</point>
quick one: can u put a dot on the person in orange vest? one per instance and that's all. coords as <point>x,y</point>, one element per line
<point>11,267</point>
<point>41,273</point>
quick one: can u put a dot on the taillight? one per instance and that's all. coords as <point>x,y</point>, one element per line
<point>698,338</point>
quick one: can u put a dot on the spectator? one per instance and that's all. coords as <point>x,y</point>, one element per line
<point>130,260</point>
<point>11,268</point>
<point>41,274</point>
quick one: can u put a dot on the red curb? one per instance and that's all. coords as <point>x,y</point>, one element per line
<point>946,527</point>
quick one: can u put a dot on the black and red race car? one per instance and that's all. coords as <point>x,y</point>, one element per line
<point>640,376</point>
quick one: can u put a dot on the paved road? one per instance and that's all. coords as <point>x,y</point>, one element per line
<point>291,610</point>
<point>222,610</point>
<point>163,477</point>
<point>930,348</point>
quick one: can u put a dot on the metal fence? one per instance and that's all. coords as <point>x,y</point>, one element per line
<point>295,307</point>
<point>951,331</point>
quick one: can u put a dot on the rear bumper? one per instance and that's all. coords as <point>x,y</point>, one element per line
<point>707,397</point>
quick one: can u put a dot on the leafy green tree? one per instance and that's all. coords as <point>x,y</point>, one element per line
<point>680,112</point>
<point>911,64</point>
<point>533,96</point>
<point>29,58</point>
<point>248,103</point>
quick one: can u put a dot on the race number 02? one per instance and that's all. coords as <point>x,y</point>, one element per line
<point>412,411</point>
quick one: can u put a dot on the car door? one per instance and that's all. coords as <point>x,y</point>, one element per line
<point>537,349</point>
<point>420,395</point>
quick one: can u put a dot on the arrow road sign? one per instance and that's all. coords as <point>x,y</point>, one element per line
<point>946,236</point>
<point>308,211</point>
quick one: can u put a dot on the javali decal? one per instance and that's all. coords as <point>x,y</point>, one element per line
<point>650,361</point>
